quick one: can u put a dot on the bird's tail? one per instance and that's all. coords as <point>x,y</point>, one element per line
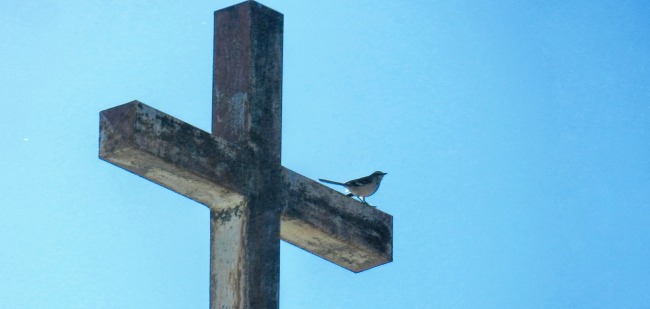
<point>332,182</point>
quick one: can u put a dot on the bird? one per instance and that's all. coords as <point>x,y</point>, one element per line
<point>362,187</point>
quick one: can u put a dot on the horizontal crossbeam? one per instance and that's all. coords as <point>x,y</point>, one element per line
<point>340,229</point>
<point>202,167</point>
<point>171,153</point>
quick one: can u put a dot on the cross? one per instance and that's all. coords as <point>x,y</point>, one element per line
<point>236,171</point>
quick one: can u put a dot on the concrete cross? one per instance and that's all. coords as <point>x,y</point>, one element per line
<point>236,172</point>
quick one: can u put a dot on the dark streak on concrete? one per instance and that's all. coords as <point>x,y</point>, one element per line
<point>225,215</point>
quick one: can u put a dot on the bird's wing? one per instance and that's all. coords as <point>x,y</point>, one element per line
<point>359,182</point>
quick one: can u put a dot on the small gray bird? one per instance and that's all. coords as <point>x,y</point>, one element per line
<point>362,187</point>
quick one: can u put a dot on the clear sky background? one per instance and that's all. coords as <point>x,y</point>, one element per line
<point>516,137</point>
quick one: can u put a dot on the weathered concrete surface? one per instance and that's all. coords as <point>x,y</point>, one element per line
<point>227,268</point>
<point>333,226</point>
<point>245,207</point>
<point>171,153</point>
<point>201,166</point>
<point>247,111</point>
<point>236,170</point>
<point>247,78</point>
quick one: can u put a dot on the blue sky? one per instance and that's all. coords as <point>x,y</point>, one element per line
<point>516,137</point>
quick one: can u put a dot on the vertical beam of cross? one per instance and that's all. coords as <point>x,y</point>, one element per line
<point>246,111</point>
